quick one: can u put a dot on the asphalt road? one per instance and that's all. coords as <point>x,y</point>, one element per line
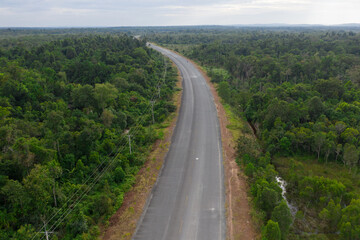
<point>187,201</point>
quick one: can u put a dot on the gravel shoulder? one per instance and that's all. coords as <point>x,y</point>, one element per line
<point>238,210</point>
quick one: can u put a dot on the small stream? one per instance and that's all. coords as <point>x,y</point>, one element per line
<point>282,184</point>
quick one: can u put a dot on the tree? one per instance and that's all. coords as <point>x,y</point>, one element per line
<point>70,52</point>
<point>250,170</point>
<point>350,135</point>
<point>340,126</point>
<point>319,141</point>
<point>15,193</point>
<point>88,137</point>
<point>350,221</point>
<point>4,112</point>
<point>119,175</point>
<point>104,204</point>
<point>282,215</point>
<point>104,95</point>
<point>25,232</point>
<point>140,54</point>
<point>272,231</point>
<point>268,199</point>
<point>55,171</point>
<point>39,187</point>
<point>285,145</point>
<point>351,155</point>
<point>107,117</point>
<point>329,148</point>
<point>224,91</point>
<point>315,108</point>
<point>347,232</point>
<point>331,215</point>
<point>55,97</point>
<point>354,74</point>
<point>78,223</point>
<point>331,88</point>
<point>302,137</point>
<point>55,123</point>
<point>338,150</point>
<point>83,96</point>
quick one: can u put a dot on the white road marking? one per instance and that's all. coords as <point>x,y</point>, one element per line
<point>196,158</point>
<point>181,224</point>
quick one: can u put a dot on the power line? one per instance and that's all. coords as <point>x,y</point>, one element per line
<point>89,187</point>
<point>97,178</point>
<point>98,175</point>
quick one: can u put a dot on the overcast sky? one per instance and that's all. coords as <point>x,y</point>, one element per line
<point>83,13</point>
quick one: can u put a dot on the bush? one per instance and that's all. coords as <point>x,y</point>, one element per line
<point>282,215</point>
<point>272,231</point>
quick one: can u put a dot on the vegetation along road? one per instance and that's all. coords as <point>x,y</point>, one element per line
<point>188,199</point>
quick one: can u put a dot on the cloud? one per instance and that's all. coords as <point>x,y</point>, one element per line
<point>231,8</point>
<point>174,12</point>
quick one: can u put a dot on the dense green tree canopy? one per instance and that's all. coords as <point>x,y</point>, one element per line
<point>64,108</point>
<point>299,91</point>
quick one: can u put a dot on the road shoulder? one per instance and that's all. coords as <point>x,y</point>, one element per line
<point>238,209</point>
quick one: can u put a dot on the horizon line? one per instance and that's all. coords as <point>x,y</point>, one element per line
<point>196,25</point>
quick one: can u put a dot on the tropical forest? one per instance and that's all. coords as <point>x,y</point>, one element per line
<point>297,91</point>
<point>78,115</point>
<point>81,110</point>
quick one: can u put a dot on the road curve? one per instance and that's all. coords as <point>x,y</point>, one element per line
<point>187,202</point>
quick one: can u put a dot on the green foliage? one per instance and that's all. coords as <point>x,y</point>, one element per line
<point>25,232</point>
<point>264,188</point>
<point>272,231</point>
<point>299,90</point>
<point>331,215</point>
<point>224,91</point>
<point>105,95</point>
<point>267,199</point>
<point>282,215</point>
<point>249,170</point>
<point>320,189</point>
<point>119,175</point>
<point>276,72</point>
<point>64,107</point>
<point>349,223</point>
<point>77,224</point>
<point>351,155</point>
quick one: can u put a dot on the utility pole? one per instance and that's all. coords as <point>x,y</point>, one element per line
<point>129,142</point>
<point>46,232</point>
<point>165,69</point>
<point>152,111</point>
<point>159,90</point>
<point>129,136</point>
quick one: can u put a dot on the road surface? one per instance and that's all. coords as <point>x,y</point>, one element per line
<point>187,202</point>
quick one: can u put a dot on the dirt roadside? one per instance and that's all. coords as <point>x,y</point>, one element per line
<point>123,223</point>
<point>238,218</point>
